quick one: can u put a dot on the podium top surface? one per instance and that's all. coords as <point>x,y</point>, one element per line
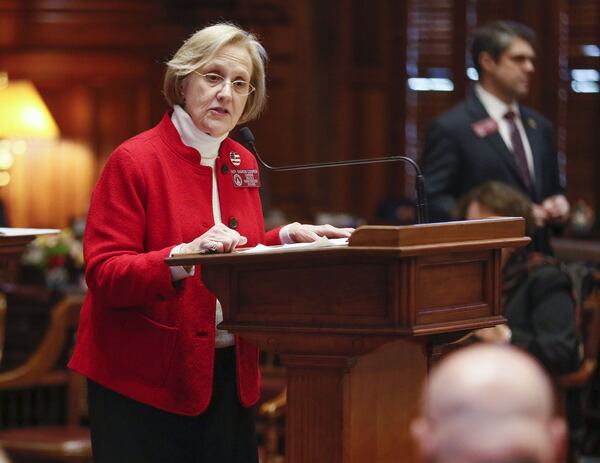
<point>498,228</point>
<point>14,239</point>
<point>400,241</point>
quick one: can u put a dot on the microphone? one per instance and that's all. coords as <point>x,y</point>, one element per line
<point>248,140</point>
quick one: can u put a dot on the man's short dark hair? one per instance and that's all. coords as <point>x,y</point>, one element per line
<point>494,38</point>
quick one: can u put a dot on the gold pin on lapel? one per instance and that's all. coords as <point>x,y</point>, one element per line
<point>531,123</point>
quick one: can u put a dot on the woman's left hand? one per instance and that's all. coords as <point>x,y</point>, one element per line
<point>303,233</point>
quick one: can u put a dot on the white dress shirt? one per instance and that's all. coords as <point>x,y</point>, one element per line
<point>496,108</point>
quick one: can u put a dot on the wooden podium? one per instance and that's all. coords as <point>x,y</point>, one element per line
<point>356,326</point>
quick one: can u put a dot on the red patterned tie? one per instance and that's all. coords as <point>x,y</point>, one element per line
<point>518,149</point>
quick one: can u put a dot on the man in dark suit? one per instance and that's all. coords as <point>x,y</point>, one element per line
<point>491,136</point>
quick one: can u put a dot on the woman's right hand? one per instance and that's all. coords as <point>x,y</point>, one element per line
<point>219,238</point>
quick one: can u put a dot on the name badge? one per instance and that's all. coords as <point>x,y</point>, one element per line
<point>485,127</point>
<point>245,178</point>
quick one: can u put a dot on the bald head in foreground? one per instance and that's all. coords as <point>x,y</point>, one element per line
<point>489,404</point>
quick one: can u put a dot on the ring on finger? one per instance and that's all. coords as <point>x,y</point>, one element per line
<point>212,247</point>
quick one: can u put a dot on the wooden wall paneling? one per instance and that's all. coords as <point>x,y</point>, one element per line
<point>492,10</point>
<point>113,106</point>
<point>326,81</point>
<point>276,141</point>
<point>583,110</point>
<point>77,24</point>
<point>397,24</point>
<point>543,17</point>
<point>582,166</point>
<point>274,130</point>
<point>334,65</point>
<point>371,41</point>
<point>561,70</point>
<point>344,132</point>
<point>381,127</point>
<point>460,47</point>
<point>367,188</point>
<point>10,22</point>
<point>99,65</point>
<point>435,48</point>
<point>584,17</point>
<point>285,129</point>
<point>72,107</point>
<point>79,54</point>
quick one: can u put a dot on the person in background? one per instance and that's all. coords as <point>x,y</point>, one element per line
<point>488,403</point>
<point>396,211</point>
<point>164,384</point>
<point>537,294</point>
<point>538,298</point>
<point>492,136</point>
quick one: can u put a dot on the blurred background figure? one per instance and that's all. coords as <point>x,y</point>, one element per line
<point>396,211</point>
<point>491,136</point>
<point>538,298</point>
<point>489,404</point>
<point>537,295</point>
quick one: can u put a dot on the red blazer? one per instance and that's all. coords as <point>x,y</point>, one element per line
<point>139,334</point>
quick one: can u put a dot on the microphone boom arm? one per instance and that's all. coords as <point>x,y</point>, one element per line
<point>421,206</point>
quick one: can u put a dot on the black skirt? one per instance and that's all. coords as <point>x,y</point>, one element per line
<point>127,431</point>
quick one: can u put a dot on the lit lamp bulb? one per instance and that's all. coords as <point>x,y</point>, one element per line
<point>23,116</point>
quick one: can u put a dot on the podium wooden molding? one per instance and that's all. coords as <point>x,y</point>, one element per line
<point>356,325</point>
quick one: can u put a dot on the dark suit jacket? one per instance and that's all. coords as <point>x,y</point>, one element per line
<point>540,312</point>
<point>456,159</point>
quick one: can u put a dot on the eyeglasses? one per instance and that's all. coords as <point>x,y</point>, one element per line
<point>241,87</point>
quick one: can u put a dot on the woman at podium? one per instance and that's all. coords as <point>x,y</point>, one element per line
<point>164,383</point>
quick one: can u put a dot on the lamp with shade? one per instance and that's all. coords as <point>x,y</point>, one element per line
<point>23,116</point>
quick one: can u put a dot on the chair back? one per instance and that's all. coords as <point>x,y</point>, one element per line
<point>42,390</point>
<point>590,333</point>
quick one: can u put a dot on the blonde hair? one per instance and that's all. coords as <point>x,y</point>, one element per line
<point>201,47</point>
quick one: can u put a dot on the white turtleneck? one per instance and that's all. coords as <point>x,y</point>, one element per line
<point>208,149</point>
<point>207,146</point>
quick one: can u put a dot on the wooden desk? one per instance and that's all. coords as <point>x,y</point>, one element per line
<point>11,248</point>
<point>12,244</point>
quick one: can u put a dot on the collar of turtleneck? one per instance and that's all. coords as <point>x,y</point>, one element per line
<point>191,136</point>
